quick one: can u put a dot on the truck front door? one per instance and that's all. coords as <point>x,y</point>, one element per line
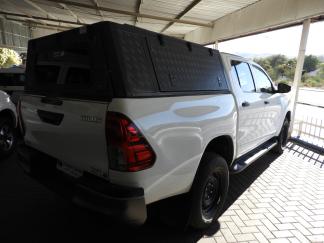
<point>271,102</point>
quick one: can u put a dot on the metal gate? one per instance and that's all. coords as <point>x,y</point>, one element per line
<point>308,128</point>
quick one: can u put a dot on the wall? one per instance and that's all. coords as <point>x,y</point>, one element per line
<point>14,35</point>
<point>39,32</point>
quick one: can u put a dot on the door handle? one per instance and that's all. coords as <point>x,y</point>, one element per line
<point>245,104</point>
<point>266,102</point>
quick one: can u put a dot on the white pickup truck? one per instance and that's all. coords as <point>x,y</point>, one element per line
<point>8,125</point>
<point>132,117</point>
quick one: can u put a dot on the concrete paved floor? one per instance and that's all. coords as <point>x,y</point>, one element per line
<point>276,198</point>
<point>285,202</point>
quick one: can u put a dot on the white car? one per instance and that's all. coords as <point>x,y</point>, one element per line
<point>134,117</point>
<point>8,124</point>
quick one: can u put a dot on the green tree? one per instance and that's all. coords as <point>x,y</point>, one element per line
<point>314,81</point>
<point>276,65</point>
<point>265,63</point>
<point>321,71</point>
<point>310,63</point>
<point>277,60</point>
<point>9,58</point>
<point>280,68</point>
<point>290,67</point>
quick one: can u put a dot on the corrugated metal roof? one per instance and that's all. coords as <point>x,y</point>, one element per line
<point>210,10</point>
<point>201,12</point>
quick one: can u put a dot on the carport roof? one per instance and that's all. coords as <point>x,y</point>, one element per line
<point>176,17</point>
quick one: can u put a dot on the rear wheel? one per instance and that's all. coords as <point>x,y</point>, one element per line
<point>8,136</point>
<point>209,191</point>
<point>282,138</point>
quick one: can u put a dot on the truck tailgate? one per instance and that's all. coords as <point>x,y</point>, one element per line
<point>73,132</point>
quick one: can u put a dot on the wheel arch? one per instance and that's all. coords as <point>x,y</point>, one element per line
<point>223,146</point>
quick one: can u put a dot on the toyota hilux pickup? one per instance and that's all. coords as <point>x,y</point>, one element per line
<point>130,117</point>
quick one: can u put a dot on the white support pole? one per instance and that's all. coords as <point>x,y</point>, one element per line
<point>299,70</point>
<point>215,45</point>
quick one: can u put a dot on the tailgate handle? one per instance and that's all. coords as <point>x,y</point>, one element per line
<point>50,117</point>
<point>52,101</point>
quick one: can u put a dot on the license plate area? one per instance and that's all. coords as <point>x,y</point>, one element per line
<point>69,170</point>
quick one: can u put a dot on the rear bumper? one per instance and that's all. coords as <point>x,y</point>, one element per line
<point>124,203</point>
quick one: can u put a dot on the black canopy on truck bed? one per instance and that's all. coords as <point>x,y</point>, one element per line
<point>106,60</point>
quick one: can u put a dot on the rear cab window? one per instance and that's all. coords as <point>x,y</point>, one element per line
<point>78,76</point>
<point>46,74</point>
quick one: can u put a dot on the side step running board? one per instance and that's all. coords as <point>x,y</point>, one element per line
<point>244,161</point>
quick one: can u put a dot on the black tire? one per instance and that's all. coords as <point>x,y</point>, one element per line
<point>8,136</point>
<point>282,138</point>
<point>209,191</point>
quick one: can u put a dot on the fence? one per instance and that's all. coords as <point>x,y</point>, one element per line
<point>309,129</point>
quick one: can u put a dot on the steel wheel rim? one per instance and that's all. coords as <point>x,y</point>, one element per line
<point>6,137</point>
<point>211,195</point>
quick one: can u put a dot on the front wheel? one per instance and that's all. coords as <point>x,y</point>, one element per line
<point>209,191</point>
<point>8,137</point>
<point>282,138</point>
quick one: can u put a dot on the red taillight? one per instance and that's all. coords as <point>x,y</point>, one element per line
<point>127,148</point>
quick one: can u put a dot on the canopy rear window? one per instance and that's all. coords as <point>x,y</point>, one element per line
<point>68,64</point>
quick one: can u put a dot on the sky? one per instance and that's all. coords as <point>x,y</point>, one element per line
<point>284,41</point>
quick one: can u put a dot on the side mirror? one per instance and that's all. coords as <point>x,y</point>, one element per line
<point>283,88</point>
<point>264,90</point>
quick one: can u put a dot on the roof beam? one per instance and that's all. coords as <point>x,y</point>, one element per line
<point>96,3</point>
<point>262,16</point>
<point>71,12</point>
<point>124,12</point>
<point>37,24</point>
<point>182,13</point>
<point>138,10</point>
<point>22,11</point>
<point>40,18</point>
<point>34,5</point>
